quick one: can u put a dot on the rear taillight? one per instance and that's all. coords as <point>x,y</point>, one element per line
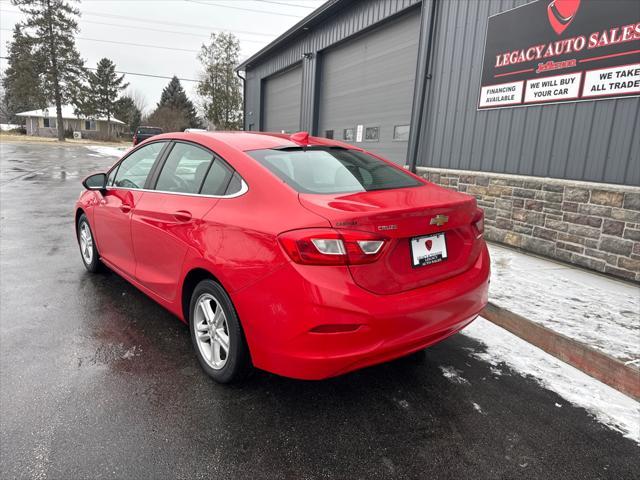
<point>478,223</point>
<point>325,246</point>
<point>135,139</point>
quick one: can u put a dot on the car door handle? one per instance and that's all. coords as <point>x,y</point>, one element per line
<point>182,215</point>
<point>125,208</point>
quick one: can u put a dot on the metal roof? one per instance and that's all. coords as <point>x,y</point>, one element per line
<point>315,17</point>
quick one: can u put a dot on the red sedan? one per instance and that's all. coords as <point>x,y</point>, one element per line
<point>298,255</point>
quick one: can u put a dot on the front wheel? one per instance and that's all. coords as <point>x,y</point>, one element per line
<point>88,249</point>
<point>216,334</point>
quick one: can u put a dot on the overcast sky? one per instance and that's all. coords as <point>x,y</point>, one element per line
<point>178,26</point>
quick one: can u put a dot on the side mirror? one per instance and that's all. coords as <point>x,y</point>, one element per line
<point>97,181</point>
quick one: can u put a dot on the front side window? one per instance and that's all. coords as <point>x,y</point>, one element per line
<point>332,170</point>
<point>328,134</point>
<point>185,169</point>
<point>90,125</point>
<point>134,170</point>
<point>50,122</point>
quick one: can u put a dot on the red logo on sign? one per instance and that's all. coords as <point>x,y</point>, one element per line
<point>428,244</point>
<point>561,13</point>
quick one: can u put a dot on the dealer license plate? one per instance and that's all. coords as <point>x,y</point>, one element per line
<point>428,249</point>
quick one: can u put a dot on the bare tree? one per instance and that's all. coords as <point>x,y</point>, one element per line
<point>139,99</point>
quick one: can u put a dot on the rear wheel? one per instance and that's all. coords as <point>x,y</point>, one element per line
<point>88,249</point>
<point>216,333</point>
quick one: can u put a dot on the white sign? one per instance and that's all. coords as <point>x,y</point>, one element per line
<point>621,80</point>
<point>502,94</point>
<point>429,249</point>
<point>556,87</point>
<point>359,132</point>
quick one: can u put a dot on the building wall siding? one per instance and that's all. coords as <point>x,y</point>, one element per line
<point>594,225</point>
<point>591,141</point>
<point>351,20</point>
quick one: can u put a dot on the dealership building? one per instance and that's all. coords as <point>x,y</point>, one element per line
<point>533,107</point>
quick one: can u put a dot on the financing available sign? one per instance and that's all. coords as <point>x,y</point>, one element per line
<point>552,51</point>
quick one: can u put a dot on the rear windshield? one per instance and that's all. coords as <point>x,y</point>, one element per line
<point>149,131</point>
<point>332,170</point>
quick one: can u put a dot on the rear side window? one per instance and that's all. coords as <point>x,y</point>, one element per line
<point>235,185</point>
<point>217,179</point>
<point>149,131</point>
<point>332,170</point>
<point>185,169</point>
<point>134,170</point>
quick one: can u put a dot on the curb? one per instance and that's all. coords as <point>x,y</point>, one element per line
<point>600,366</point>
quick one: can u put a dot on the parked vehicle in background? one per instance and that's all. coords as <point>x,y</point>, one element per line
<point>302,256</point>
<point>142,133</point>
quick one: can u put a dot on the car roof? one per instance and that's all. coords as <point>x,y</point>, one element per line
<point>246,141</point>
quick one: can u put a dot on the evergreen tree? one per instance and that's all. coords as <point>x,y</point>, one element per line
<point>174,98</point>
<point>220,87</point>
<point>54,25</point>
<point>22,81</point>
<point>127,111</point>
<point>104,87</point>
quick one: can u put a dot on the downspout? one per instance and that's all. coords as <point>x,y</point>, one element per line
<point>423,76</point>
<point>244,99</point>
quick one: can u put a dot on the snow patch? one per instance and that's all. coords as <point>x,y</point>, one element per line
<point>454,375</point>
<point>592,309</point>
<point>106,151</point>
<point>132,352</point>
<point>606,404</point>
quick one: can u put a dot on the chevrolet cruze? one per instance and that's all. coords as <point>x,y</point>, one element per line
<point>298,255</point>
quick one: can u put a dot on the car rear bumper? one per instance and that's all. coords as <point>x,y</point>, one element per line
<point>286,318</point>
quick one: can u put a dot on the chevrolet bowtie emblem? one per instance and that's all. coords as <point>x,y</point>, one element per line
<point>439,220</point>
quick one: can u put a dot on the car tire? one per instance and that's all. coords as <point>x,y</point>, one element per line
<point>88,250</point>
<point>216,334</point>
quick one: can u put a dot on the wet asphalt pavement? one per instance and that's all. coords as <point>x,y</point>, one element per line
<point>98,381</point>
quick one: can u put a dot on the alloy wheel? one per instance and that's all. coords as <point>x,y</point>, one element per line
<point>212,331</point>
<point>86,243</point>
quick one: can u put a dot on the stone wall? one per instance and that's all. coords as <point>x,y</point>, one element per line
<point>592,225</point>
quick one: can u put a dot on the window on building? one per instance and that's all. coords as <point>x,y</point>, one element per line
<point>328,134</point>
<point>401,133</point>
<point>372,134</point>
<point>349,134</point>
<point>50,122</point>
<point>185,169</point>
<point>90,125</point>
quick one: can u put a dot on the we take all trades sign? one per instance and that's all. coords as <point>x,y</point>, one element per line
<point>553,51</point>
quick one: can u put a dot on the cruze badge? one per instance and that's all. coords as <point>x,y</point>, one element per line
<point>439,220</point>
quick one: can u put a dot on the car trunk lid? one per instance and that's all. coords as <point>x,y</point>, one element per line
<point>401,215</point>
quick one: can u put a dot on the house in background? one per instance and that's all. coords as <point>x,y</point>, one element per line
<point>43,123</point>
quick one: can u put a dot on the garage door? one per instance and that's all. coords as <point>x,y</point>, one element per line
<point>281,96</point>
<point>369,81</point>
